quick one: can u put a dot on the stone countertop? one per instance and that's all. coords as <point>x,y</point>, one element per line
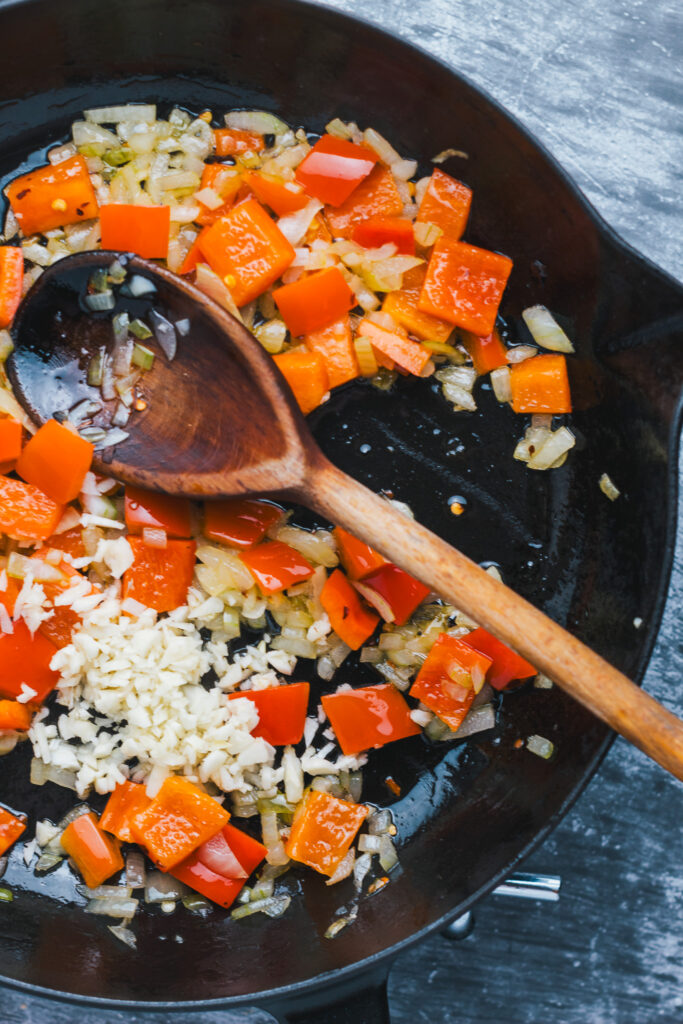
<point>601,85</point>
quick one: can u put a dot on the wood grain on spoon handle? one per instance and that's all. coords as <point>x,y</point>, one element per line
<point>573,666</point>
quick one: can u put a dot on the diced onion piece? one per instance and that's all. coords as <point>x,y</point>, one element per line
<point>384,150</point>
<point>445,154</point>
<point>275,906</point>
<point>542,682</point>
<point>379,822</point>
<point>271,839</point>
<point>293,776</point>
<point>272,335</point>
<point>154,538</point>
<point>360,870</point>
<point>518,353</point>
<point>19,566</point>
<point>209,198</point>
<point>540,746</point>
<point>130,112</point>
<point>210,283</point>
<point>261,121</point>
<point>124,935</point>
<point>477,720</point>
<point>388,857</point>
<point>105,892</point>
<point>344,869</point>
<point>60,153</point>
<point>295,225</point>
<point>369,844</point>
<point>139,286</point>
<point>109,439</point>
<point>100,301</point>
<point>165,334</point>
<point>608,488</point>
<point>500,382</point>
<point>545,330</point>
<point>365,355</point>
<point>426,234</point>
<point>557,444</point>
<point>339,129</point>
<point>160,887</point>
<point>120,907</point>
<point>136,874</point>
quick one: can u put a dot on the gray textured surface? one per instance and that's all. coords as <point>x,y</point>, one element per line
<point>602,86</point>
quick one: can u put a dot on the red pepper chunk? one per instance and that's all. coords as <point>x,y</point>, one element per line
<point>127,800</point>
<point>350,619</point>
<point>465,285</point>
<point>368,717</point>
<point>333,168</point>
<point>323,829</point>
<point>140,229</point>
<point>541,385</point>
<point>376,196</point>
<point>180,818</point>
<point>146,509</point>
<point>199,869</point>
<point>159,578</point>
<point>358,558</point>
<point>378,231</point>
<point>24,658</point>
<point>445,683</point>
<point>281,712</point>
<point>56,460</point>
<point>11,281</point>
<point>240,522</point>
<point>52,196</point>
<point>486,353</point>
<point>446,203</point>
<point>506,664</point>
<point>394,593</point>
<point>235,142</point>
<point>11,827</point>
<point>314,301</point>
<point>11,433</point>
<point>95,854</point>
<point>276,566</point>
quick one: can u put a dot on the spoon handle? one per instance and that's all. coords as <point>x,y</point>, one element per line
<point>573,666</point>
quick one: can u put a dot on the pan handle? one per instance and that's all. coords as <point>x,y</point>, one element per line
<point>366,1005</point>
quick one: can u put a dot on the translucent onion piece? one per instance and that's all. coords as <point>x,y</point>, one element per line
<point>500,382</point>
<point>130,112</point>
<point>136,874</point>
<point>113,908</point>
<point>344,869</point>
<point>218,856</point>
<point>540,746</point>
<point>477,720</point>
<point>165,334</point>
<point>556,445</point>
<point>275,906</point>
<point>388,857</point>
<point>545,330</point>
<point>124,935</point>
<point>261,121</point>
<point>160,887</point>
<point>608,488</point>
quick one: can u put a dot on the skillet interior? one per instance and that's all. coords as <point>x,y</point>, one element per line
<point>468,812</point>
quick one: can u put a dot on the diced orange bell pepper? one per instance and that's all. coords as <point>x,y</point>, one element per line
<point>247,250</point>
<point>11,433</point>
<point>241,522</point>
<point>314,301</point>
<point>24,658</point>
<point>402,306</point>
<point>335,345</point>
<point>179,819</point>
<point>368,717</point>
<point>96,855</point>
<point>351,620</point>
<point>235,142</point>
<point>11,281</point>
<point>378,231</point>
<point>11,827</point>
<point>127,800</point>
<point>159,578</point>
<point>140,229</point>
<point>26,512</point>
<point>64,620</point>
<point>486,353</point>
<point>199,869</point>
<point>306,375</point>
<point>56,460</point>
<point>145,509</point>
<point>358,558</point>
<point>334,168</point>
<point>69,541</point>
<point>52,196</point>
<point>323,829</point>
<point>377,196</point>
<point>397,346</point>
<point>226,181</point>
<point>506,664</point>
<point>276,566</point>
<point>281,712</point>
<point>446,682</point>
<point>465,285</point>
<point>15,716</point>
<point>393,592</point>
<point>541,385</point>
<point>446,203</point>
<point>281,196</point>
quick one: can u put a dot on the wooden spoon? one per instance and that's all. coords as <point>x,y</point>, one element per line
<point>221,421</point>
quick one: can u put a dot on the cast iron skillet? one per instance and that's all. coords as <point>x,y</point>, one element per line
<point>468,812</point>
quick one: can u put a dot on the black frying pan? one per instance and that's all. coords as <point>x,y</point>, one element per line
<point>469,812</point>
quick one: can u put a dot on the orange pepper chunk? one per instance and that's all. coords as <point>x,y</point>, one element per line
<point>140,229</point>
<point>241,522</point>
<point>11,281</point>
<point>465,285</point>
<point>276,566</point>
<point>335,345</point>
<point>11,827</point>
<point>226,181</point>
<point>445,683</point>
<point>368,717</point>
<point>235,142</point>
<point>486,353</point>
<point>281,712</point>
<point>95,854</point>
<point>11,434</point>
<point>402,306</point>
<point>127,800</point>
<point>358,558</point>
<point>160,578</point>
<point>397,347</point>
<point>377,196</point>
<point>446,203</point>
<point>56,460</point>
<point>281,196</point>
<point>24,658</point>
<point>306,375</point>
<point>351,620</point>
<point>323,829</point>
<point>15,716</point>
<point>333,169</point>
<point>147,509</point>
<point>52,196</point>
<point>179,819</point>
<point>541,384</point>
<point>26,512</point>
<point>247,250</point>
<point>70,542</point>
<point>506,664</point>
<point>377,231</point>
<point>314,301</point>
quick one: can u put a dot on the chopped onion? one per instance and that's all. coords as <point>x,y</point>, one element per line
<point>542,682</point>
<point>379,822</point>
<point>340,923</point>
<point>295,225</point>
<point>608,488</point>
<point>388,857</point>
<point>344,868</point>
<point>210,283</point>
<point>518,353</point>
<point>154,537</point>
<point>218,856</point>
<point>271,839</point>
<point>100,301</point>
<point>136,874</point>
<point>129,112</point>
<point>121,907</point>
<point>121,415</point>
<point>500,382</point>
<point>369,844</point>
<point>105,892</point>
<point>182,327</point>
<point>274,906</point>
<point>545,330</point>
<point>445,154</point>
<point>139,286</point>
<point>426,234</point>
<point>477,720</point>
<point>557,444</point>
<point>124,935</point>
<point>60,153</point>
<point>164,331</point>
<point>540,746</point>
<point>110,438</point>
<point>272,335</point>
<point>293,776</point>
<point>83,411</point>
<point>360,870</point>
<point>261,121</point>
<point>160,887</point>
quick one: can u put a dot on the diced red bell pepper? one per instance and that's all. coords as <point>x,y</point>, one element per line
<point>486,353</point>
<point>235,142</point>
<point>69,541</point>
<point>368,717</point>
<point>314,301</point>
<point>96,855</point>
<point>351,620</point>
<point>26,512</point>
<point>240,522</point>
<point>281,712</point>
<point>334,168</point>
<point>358,558</point>
<point>446,682</point>
<point>541,385</point>
<point>396,346</point>
<point>141,229</point>
<point>506,664</point>
<point>146,509</point>
<point>52,196</point>
<point>276,566</point>
<point>394,593</point>
<point>378,231</point>
<point>335,344</point>
<point>465,285</point>
<point>56,460</point>
<point>180,818</point>
<point>322,831</point>
<point>159,578</point>
<point>11,281</point>
<point>128,800</point>
<point>281,196</point>
<point>219,888</point>
<point>446,203</point>
<point>11,827</point>
<point>24,659</point>
<point>11,433</point>
<point>306,374</point>
<point>402,306</point>
<point>376,196</point>
<point>14,716</point>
